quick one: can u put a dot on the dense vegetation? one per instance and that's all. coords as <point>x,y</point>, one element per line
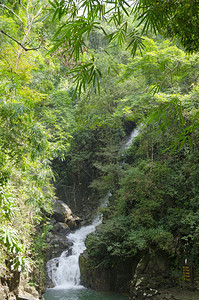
<point>154,183</point>
<point>46,118</point>
<point>31,125</point>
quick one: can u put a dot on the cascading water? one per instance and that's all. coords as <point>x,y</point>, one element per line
<point>64,271</point>
<point>133,134</point>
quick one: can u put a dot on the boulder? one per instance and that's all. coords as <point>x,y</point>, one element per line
<point>63,222</point>
<point>27,292</point>
<point>63,214</point>
<point>11,296</point>
<point>60,229</point>
<point>61,211</point>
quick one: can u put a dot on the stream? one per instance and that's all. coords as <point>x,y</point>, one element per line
<point>65,272</point>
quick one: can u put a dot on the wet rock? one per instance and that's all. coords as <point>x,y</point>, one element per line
<point>73,222</point>
<point>65,221</point>
<point>51,267</point>
<point>56,245</point>
<point>60,229</point>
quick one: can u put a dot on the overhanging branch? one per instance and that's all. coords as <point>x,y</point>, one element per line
<point>26,49</point>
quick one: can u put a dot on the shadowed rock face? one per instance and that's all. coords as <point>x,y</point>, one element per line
<point>115,279</point>
<point>150,275</point>
<point>56,245</point>
<point>63,221</point>
<point>141,276</point>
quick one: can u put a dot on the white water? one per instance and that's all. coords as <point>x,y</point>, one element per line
<point>133,134</point>
<point>64,271</point>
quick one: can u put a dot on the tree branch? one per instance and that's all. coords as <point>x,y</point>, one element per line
<point>171,70</point>
<point>26,49</point>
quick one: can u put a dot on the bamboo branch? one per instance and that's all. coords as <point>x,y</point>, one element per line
<point>12,11</point>
<point>37,14</point>
<point>29,25</point>
<point>26,49</point>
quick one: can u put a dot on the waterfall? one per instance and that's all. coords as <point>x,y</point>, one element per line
<point>133,134</point>
<point>64,271</point>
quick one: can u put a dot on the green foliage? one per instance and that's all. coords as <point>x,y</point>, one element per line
<point>154,184</point>
<point>129,24</point>
<point>166,71</point>
<point>26,149</point>
<point>154,205</point>
<point>9,239</point>
<point>39,249</point>
<point>72,33</point>
<point>84,75</point>
<point>109,242</point>
<point>177,18</point>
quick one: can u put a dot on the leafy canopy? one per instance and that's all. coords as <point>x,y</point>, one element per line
<point>130,20</point>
